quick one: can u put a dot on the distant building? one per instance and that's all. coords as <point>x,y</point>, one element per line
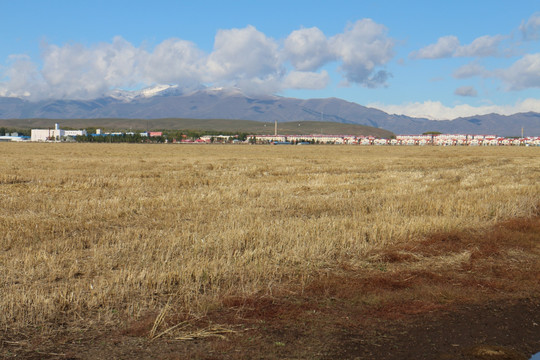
<point>10,138</point>
<point>55,134</point>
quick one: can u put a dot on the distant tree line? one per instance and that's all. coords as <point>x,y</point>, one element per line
<point>8,130</point>
<point>168,136</point>
<point>121,138</point>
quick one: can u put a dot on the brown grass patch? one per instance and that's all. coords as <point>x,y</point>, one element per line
<point>404,272</point>
<point>101,235</point>
<point>394,256</point>
<point>140,327</point>
<point>268,309</point>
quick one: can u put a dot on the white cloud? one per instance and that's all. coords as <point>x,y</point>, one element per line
<point>173,61</point>
<point>74,71</point>
<point>449,46</point>
<point>244,58</point>
<point>361,48</point>
<point>306,80</point>
<point>243,54</point>
<point>531,29</point>
<point>523,74</point>
<point>444,47</point>
<point>307,49</point>
<point>466,91</point>
<point>469,70</point>
<point>480,47</point>
<point>24,78</point>
<point>435,110</point>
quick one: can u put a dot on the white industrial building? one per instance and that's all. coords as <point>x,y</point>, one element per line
<point>55,134</point>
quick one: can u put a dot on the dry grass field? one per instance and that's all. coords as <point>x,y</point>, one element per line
<point>97,236</point>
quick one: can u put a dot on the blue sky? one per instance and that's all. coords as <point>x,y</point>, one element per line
<point>421,58</point>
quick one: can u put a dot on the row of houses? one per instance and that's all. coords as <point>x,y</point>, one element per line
<point>143,134</point>
<point>58,134</point>
<point>318,139</point>
<point>464,139</point>
<point>420,140</point>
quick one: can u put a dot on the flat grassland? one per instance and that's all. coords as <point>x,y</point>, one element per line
<point>95,236</point>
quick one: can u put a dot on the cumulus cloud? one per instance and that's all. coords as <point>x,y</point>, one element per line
<point>444,47</point>
<point>307,49</point>
<point>243,54</point>
<point>466,91</point>
<point>435,110</point>
<point>173,61</point>
<point>74,71</point>
<point>23,77</point>
<point>531,28</point>
<point>449,46</point>
<point>306,80</point>
<point>469,70</point>
<point>480,47</point>
<point>244,58</point>
<point>362,47</point>
<point>523,74</point>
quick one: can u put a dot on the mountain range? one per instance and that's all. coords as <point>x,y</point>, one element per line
<point>169,102</point>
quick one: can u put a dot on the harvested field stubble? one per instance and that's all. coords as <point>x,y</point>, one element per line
<point>96,234</point>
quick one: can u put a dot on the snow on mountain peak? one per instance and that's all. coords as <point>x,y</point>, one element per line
<point>156,90</point>
<point>148,92</point>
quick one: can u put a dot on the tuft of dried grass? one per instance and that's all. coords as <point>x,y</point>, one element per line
<point>211,331</point>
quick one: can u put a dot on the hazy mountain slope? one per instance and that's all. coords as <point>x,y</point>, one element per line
<point>492,124</point>
<point>227,104</point>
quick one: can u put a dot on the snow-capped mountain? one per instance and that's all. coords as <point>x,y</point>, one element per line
<point>168,101</point>
<point>148,92</point>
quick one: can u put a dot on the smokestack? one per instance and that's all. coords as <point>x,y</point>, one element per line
<point>275,128</point>
<point>56,126</point>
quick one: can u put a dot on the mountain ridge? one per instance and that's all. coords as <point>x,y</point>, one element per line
<point>170,102</point>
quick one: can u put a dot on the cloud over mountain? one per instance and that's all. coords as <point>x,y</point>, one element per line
<point>308,49</point>
<point>242,57</point>
<point>245,56</point>
<point>361,48</point>
<point>435,110</point>
<point>172,61</point>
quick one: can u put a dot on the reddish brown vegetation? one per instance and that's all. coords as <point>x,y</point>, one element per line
<point>384,309</point>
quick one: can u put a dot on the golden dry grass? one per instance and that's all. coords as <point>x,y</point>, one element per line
<point>95,234</point>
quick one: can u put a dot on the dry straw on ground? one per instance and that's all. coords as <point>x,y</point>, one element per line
<point>95,234</point>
